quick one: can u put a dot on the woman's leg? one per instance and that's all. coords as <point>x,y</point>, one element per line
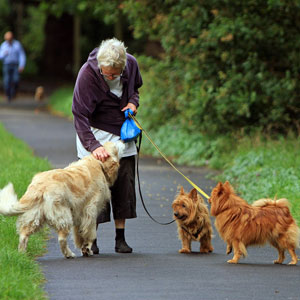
<point>124,201</point>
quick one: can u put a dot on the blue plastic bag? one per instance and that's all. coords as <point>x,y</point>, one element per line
<point>129,130</point>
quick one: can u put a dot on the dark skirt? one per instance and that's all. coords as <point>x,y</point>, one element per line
<point>123,198</point>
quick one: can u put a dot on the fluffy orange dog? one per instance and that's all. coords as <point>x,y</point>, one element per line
<point>192,218</point>
<point>241,224</point>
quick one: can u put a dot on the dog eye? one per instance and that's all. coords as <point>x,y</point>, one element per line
<point>183,205</point>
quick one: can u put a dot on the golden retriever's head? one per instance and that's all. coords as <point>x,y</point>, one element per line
<point>111,165</point>
<point>185,206</point>
<point>219,198</point>
<point>115,149</point>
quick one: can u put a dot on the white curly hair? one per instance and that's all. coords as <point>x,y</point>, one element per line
<point>112,53</point>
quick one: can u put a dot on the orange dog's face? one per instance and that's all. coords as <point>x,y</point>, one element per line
<point>184,206</point>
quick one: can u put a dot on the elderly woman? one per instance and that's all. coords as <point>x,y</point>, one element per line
<point>106,86</point>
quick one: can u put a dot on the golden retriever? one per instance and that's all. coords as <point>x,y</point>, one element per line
<point>241,225</point>
<point>65,198</point>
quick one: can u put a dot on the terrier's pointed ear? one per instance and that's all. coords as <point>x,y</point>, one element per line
<point>181,191</point>
<point>193,194</point>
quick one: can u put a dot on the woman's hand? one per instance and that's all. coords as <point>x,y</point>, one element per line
<point>132,107</point>
<point>101,154</point>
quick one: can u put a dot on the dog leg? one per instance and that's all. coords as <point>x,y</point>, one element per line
<point>239,250</point>
<point>293,255</point>
<point>91,235</point>
<point>62,238</point>
<point>27,224</point>
<point>25,230</point>
<point>186,244</point>
<point>86,250</point>
<point>205,244</point>
<point>78,239</point>
<point>281,256</point>
<point>228,248</point>
<point>23,240</point>
<point>281,245</point>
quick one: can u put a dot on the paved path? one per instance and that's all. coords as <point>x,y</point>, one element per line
<point>155,270</point>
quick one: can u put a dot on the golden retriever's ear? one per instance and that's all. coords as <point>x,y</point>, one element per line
<point>181,191</point>
<point>193,195</point>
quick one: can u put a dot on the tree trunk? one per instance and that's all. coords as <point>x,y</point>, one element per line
<point>118,26</point>
<point>19,7</point>
<point>76,46</point>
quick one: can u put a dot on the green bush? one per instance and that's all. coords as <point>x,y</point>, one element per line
<point>228,65</point>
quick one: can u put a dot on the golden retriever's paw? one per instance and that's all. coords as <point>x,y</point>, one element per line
<point>70,255</point>
<point>292,263</point>
<point>184,250</point>
<point>86,252</point>
<point>232,261</point>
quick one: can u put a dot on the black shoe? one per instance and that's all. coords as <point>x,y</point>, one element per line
<point>122,247</point>
<point>95,248</point>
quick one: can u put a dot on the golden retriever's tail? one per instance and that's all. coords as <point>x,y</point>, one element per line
<point>9,204</point>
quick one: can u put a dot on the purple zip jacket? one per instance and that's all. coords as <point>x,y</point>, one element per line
<point>95,106</point>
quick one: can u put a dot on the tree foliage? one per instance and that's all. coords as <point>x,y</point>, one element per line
<point>228,64</point>
<point>107,11</point>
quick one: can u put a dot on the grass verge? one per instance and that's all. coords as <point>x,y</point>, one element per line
<point>60,102</point>
<point>20,276</point>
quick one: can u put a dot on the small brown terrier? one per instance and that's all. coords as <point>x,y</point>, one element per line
<point>193,222</point>
<point>241,224</point>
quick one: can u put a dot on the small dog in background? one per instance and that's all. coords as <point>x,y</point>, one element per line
<point>241,225</point>
<point>39,94</point>
<point>193,222</point>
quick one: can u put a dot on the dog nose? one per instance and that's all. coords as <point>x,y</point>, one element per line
<point>176,214</point>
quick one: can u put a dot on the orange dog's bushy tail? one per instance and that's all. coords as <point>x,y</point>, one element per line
<point>265,202</point>
<point>293,231</point>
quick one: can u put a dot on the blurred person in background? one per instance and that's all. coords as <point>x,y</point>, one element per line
<point>13,56</point>
<point>107,85</point>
